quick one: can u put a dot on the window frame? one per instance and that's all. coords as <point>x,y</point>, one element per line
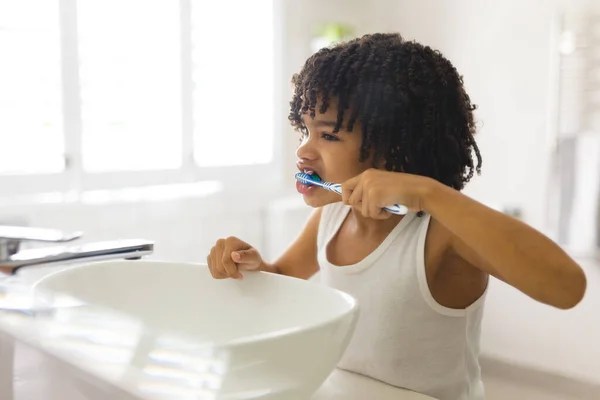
<point>75,179</point>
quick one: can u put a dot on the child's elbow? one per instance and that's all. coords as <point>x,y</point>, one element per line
<point>574,287</point>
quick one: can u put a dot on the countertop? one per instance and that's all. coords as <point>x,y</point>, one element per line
<point>340,385</point>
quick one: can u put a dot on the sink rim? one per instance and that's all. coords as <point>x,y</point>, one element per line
<point>352,311</point>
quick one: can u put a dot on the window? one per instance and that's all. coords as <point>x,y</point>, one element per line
<point>31,130</point>
<point>112,93</point>
<point>130,79</point>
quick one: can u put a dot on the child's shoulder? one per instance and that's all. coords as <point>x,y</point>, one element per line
<point>438,240</point>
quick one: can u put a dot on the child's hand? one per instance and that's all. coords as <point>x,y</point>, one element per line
<point>230,256</point>
<point>374,189</point>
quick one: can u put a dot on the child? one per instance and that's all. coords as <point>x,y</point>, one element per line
<point>390,120</point>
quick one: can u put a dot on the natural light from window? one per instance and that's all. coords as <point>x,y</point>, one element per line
<point>130,84</point>
<point>31,133</point>
<point>138,86</point>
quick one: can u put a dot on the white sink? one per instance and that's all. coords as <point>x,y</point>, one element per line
<point>265,337</point>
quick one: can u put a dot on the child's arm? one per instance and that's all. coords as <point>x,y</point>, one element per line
<point>506,248</point>
<point>484,238</point>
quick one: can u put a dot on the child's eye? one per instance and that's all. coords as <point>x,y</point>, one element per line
<point>329,137</point>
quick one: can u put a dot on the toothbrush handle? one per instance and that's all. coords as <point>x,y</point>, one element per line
<point>394,209</point>
<point>397,209</point>
<point>334,187</point>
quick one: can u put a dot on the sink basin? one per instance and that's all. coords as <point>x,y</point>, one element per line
<point>265,337</point>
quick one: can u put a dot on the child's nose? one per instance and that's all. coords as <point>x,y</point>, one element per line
<point>307,149</point>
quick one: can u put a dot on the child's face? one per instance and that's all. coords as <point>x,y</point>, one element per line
<point>334,157</point>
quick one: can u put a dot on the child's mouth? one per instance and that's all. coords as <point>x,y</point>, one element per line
<point>313,174</point>
<point>304,189</point>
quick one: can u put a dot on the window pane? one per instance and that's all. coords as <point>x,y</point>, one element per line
<point>233,73</point>
<point>130,84</point>
<point>31,133</point>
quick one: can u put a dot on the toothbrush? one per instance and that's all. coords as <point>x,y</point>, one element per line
<point>309,179</point>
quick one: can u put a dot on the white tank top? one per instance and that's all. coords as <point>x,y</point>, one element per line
<point>403,336</point>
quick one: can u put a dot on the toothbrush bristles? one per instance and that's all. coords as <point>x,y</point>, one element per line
<point>305,178</point>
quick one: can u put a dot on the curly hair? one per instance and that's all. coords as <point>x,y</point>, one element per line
<point>410,101</point>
